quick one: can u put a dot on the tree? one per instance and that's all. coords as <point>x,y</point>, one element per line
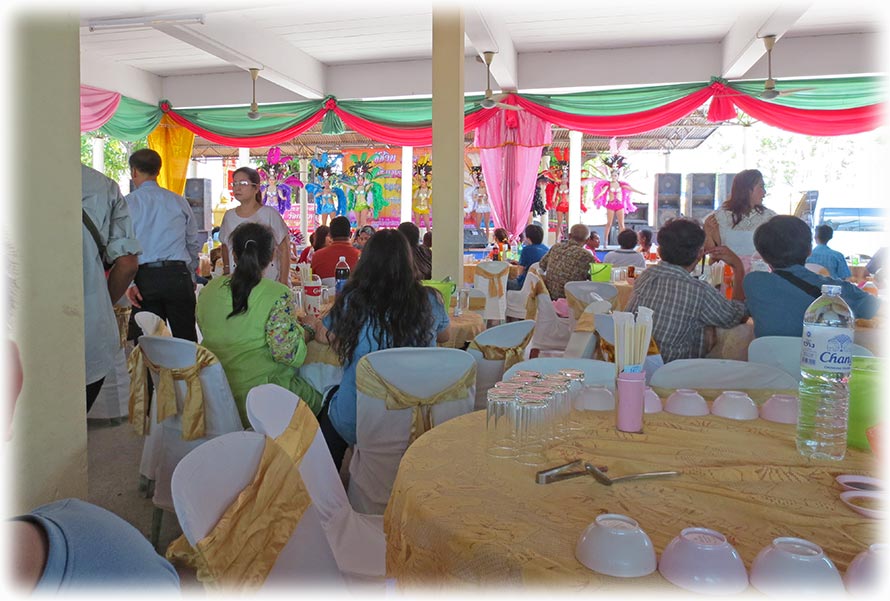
<point>116,153</point>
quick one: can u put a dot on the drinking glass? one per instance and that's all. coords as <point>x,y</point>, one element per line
<point>530,426</point>
<point>576,383</point>
<point>499,424</point>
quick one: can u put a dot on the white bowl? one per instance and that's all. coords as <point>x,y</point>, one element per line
<point>734,404</point>
<point>685,401</point>
<point>595,398</point>
<point>781,408</point>
<point>615,545</point>
<point>864,573</point>
<point>651,401</point>
<point>793,565</point>
<point>701,560</point>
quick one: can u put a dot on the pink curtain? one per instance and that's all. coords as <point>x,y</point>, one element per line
<point>97,106</point>
<point>510,147</point>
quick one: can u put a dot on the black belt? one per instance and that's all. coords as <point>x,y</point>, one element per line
<point>155,264</point>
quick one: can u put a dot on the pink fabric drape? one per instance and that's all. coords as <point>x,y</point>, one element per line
<point>97,106</point>
<point>510,147</point>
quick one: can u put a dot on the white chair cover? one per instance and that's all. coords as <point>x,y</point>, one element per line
<point>516,299</point>
<point>581,345</point>
<point>587,293</point>
<point>784,352</point>
<point>209,479</point>
<point>495,306</point>
<point>382,434</point>
<point>605,290</point>
<point>816,268</point>
<point>725,374</point>
<point>114,399</point>
<point>357,540</point>
<point>147,321</point>
<point>220,413</point>
<point>489,371</point>
<point>595,372</point>
<point>552,332</point>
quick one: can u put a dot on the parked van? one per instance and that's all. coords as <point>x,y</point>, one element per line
<point>859,224</point>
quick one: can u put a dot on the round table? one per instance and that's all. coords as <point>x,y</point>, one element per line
<point>459,517</point>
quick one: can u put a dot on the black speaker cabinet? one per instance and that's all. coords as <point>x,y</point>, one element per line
<point>700,195</point>
<point>640,215</point>
<point>666,199</point>
<point>667,184</point>
<point>198,195</point>
<point>475,238</point>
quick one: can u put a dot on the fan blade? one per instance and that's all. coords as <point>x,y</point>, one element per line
<point>794,91</point>
<point>279,115</point>
<point>510,107</point>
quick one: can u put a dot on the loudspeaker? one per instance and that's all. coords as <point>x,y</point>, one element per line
<point>700,195</point>
<point>641,215</point>
<point>197,193</point>
<point>666,200</point>
<point>667,184</point>
<point>724,187</point>
<point>475,238</point>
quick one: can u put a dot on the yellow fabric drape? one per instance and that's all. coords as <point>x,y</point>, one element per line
<point>605,351</point>
<point>531,304</point>
<point>495,287</point>
<point>244,545</point>
<point>174,143</point>
<point>369,382</point>
<point>510,354</point>
<point>193,423</point>
<point>122,315</point>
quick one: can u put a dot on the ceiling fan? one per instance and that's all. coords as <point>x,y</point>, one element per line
<point>489,102</point>
<point>769,86</point>
<point>254,112</point>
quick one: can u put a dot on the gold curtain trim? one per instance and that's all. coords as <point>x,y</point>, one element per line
<point>510,354</point>
<point>495,288</point>
<point>229,555</point>
<point>193,421</point>
<point>369,382</point>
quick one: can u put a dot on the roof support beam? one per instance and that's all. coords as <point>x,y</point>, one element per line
<point>741,47</point>
<point>487,33</point>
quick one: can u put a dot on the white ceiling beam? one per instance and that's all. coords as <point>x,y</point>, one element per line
<point>118,77</point>
<point>395,79</point>
<point>742,46</point>
<point>824,56</point>
<point>488,33</point>
<point>221,89</point>
<point>245,45</point>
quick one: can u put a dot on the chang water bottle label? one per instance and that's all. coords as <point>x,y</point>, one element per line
<point>826,348</point>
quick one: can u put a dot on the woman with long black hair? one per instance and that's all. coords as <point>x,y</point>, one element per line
<point>382,306</point>
<point>249,323</point>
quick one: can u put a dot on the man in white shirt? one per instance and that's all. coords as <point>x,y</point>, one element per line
<point>626,255</point>
<point>105,212</point>
<point>168,232</point>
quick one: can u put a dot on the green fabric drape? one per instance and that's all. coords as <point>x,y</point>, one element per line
<point>133,120</point>
<point>232,121</point>
<point>615,102</point>
<point>828,94</point>
<point>413,112</point>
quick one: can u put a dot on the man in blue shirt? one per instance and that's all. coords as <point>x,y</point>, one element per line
<point>531,254</point>
<point>830,259</point>
<point>778,299</point>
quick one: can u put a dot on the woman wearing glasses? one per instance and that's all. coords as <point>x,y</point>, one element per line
<point>733,224</point>
<point>246,190</point>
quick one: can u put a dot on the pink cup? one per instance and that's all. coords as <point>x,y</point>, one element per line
<point>629,415</point>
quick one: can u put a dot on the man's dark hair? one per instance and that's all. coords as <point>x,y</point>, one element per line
<point>824,233</point>
<point>340,227</point>
<point>627,239</point>
<point>534,233</point>
<point>146,161</point>
<point>783,241</point>
<point>679,241</point>
<point>411,232</point>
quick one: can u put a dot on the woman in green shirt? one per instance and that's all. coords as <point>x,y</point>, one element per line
<point>250,324</point>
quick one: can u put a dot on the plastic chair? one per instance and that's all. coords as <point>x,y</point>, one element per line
<point>209,479</point>
<point>473,293</point>
<point>723,374</point>
<point>164,447</point>
<point>113,401</point>
<point>587,293</point>
<point>581,345</point>
<point>489,371</point>
<point>496,306</point>
<point>595,372</point>
<point>356,539</point>
<point>517,299</point>
<point>784,352</point>
<point>552,332</point>
<point>816,268</point>
<point>605,329</point>
<point>149,323</point>
<point>382,435</point>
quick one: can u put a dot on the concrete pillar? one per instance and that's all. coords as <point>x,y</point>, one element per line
<point>575,142</point>
<point>407,182</point>
<point>49,433</point>
<point>448,141</point>
<point>304,200</point>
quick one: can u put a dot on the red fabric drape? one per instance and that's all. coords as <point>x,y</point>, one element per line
<point>811,122</point>
<point>405,136</point>
<point>279,137</point>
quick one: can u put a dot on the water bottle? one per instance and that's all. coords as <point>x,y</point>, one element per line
<point>825,361</point>
<point>341,274</point>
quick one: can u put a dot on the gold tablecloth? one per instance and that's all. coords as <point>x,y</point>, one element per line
<point>470,272</point>
<point>624,290</point>
<point>458,517</point>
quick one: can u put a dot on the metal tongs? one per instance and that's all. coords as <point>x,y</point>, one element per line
<point>604,479</point>
<point>562,472</point>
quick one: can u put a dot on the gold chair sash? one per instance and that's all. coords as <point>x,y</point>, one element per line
<point>122,315</point>
<point>477,303</point>
<point>586,323</point>
<point>369,382</point>
<point>531,303</point>
<point>605,351</point>
<point>495,287</point>
<point>244,545</point>
<point>575,305</point>
<point>193,422</point>
<point>510,354</point>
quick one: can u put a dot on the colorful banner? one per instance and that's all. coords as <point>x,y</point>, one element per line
<point>389,160</point>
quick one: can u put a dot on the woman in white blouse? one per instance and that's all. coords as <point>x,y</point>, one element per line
<point>733,224</point>
<point>246,190</point>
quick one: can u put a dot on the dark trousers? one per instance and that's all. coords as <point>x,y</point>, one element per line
<point>169,293</point>
<point>336,445</point>
<point>93,392</point>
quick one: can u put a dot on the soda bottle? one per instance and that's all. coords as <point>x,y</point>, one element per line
<point>341,274</point>
<point>825,362</point>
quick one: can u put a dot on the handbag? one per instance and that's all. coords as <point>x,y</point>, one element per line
<point>600,272</point>
<point>799,283</point>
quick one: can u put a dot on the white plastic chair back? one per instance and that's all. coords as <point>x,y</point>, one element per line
<point>382,434</point>
<point>357,540</point>
<point>816,268</point>
<point>725,374</point>
<point>209,479</point>
<point>516,299</point>
<point>148,322</point>
<point>587,293</point>
<point>114,397</point>
<point>605,290</point>
<point>581,345</point>
<point>495,307</point>
<point>552,332</point>
<point>784,352</point>
<point>489,371</point>
<point>595,372</point>
<point>220,413</point>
